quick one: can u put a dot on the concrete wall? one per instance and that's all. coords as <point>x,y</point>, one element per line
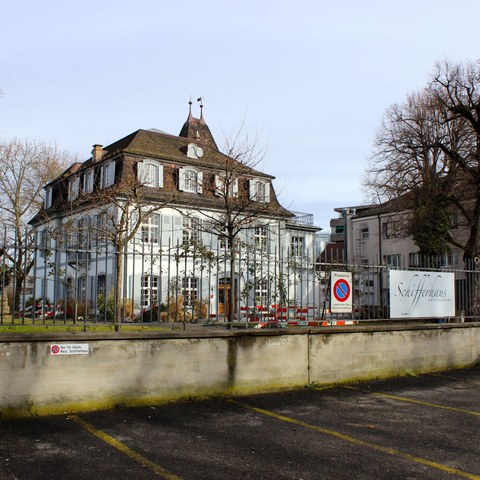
<point>136,369</point>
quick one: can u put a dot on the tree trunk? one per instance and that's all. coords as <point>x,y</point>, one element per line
<point>117,314</point>
<point>231,291</point>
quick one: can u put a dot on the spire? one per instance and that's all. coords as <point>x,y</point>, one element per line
<point>196,128</point>
<point>200,99</point>
<point>190,108</point>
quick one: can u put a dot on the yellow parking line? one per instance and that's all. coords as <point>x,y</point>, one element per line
<point>418,402</point>
<point>357,441</point>
<point>125,450</point>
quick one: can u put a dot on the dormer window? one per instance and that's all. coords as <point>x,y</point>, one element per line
<point>107,175</point>
<point>259,191</point>
<point>194,151</point>
<point>88,181</point>
<point>150,173</point>
<point>190,180</point>
<point>73,188</point>
<point>228,188</point>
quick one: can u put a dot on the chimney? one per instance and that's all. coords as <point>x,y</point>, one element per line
<point>97,153</point>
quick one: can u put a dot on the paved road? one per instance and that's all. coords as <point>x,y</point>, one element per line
<point>424,427</point>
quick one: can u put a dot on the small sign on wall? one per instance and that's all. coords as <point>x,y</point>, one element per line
<point>69,349</point>
<point>341,292</point>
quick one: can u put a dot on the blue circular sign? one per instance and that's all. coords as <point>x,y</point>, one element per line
<point>341,290</point>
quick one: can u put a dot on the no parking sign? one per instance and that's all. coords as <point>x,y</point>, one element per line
<point>341,292</point>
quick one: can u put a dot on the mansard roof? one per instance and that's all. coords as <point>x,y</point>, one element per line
<point>156,144</point>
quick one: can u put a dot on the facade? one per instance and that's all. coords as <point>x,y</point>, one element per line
<point>373,239</point>
<point>153,216</point>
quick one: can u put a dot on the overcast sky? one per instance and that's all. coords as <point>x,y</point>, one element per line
<point>311,78</point>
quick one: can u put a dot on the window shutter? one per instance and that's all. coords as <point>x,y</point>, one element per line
<point>219,185</point>
<point>200,182</point>
<point>160,175</point>
<point>140,172</point>
<point>177,230</point>
<point>181,179</point>
<point>252,189</point>
<point>111,173</point>
<point>267,192</point>
<point>235,188</point>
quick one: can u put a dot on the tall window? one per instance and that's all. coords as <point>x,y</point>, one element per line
<point>297,246</point>
<point>150,230</point>
<point>150,173</point>
<point>83,231</point>
<point>149,290</point>
<point>42,243</point>
<point>82,288</point>
<point>261,292</point>
<point>101,285</point>
<point>102,228</point>
<point>261,237</point>
<point>223,241</point>
<point>190,230</point>
<point>189,290</point>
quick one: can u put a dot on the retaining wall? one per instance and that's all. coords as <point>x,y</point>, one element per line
<point>135,369</point>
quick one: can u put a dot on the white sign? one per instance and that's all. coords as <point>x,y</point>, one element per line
<point>421,294</point>
<point>341,292</point>
<point>69,349</point>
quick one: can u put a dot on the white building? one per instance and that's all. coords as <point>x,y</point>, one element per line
<point>159,203</point>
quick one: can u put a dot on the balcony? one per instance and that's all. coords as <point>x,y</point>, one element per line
<point>78,257</point>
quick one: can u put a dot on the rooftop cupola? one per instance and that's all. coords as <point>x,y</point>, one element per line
<point>196,129</point>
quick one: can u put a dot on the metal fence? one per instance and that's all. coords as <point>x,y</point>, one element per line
<point>192,282</point>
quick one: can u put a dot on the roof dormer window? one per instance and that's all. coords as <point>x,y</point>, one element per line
<point>226,187</point>
<point>194,151</point>
<point>190,180</point>
<point>259,190</point>
<point>73,188</point>
<point>107,175</point>
<point>88,181</point>
<point>150,173</point>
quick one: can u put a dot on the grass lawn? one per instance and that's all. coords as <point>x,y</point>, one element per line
<point>26,325</point>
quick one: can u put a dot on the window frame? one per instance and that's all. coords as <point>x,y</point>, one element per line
<point>150,229</point>
<point>190,290</point>
<point>107,174</point>
<point>150,173</point>
<point>190,185</point>
<point>88,180</point>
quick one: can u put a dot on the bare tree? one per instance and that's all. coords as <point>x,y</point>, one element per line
<point>427,153</point>
<point>241,206</point>
<point>25,168</point>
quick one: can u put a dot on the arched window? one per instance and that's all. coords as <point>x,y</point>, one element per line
<point>150,173</point>
<point>190,180</point>
<point>259,190</point>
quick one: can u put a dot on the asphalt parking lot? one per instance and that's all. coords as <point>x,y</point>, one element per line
<point>423,427</point>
